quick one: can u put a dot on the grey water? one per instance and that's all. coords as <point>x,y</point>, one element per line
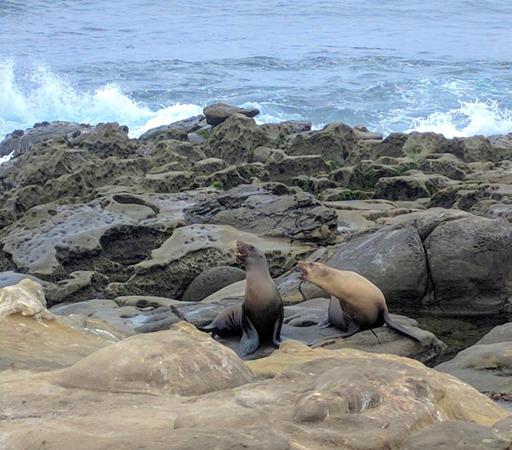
<point>392,65</point>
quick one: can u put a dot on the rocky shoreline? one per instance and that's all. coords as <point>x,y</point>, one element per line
<point>124,240</point>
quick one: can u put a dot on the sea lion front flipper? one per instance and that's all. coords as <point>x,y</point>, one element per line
<point>276,338</point>
<point>250,339</point>
<point>336,316</point>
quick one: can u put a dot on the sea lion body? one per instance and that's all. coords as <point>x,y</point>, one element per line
<point>356,303</point>
<point>260,317</point>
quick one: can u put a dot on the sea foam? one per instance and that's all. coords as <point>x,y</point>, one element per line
<point>470,119</point>
<point>41,95</point>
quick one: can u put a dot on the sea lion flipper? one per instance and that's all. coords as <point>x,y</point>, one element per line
<point>336,316</point>
<point>276,338</point>
<point>250,340</point>
<point>326,323</point>
<point>397,327</point>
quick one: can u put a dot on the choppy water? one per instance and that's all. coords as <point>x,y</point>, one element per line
<point>393,65</point>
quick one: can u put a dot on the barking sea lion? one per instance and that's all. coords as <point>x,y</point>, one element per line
<point>260,317</point>
<point>356,303</point>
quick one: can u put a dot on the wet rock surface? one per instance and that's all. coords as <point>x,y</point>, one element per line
<point>125,240</point>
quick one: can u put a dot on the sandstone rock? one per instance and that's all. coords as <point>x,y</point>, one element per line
<point>168,182</point>
<point>313,185</point>
<point>191,250</point>
<point>179,361</point>
<point>33,338</point>
<point>317,399</point>
<point>172,130</point>
<point>443,262</point>
<point>235,140</point>
<point>211,281</point>
<point>335,142</point>
<point>487,367</point>
<point>471,257</point>
<point>410,187</point>
<point>220,112</point>
<point>25,298</point>
<point>208,166</point>
<point>291,166</point>
<point>20,141</point>
<point>253,209</point>
<point>445,164</point>
<point>456,434</point>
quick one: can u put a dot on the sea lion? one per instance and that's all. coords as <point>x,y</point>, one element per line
<point>260,317</point>
<point>356,303</point>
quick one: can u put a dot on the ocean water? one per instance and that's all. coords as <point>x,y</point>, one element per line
<point>388,64</point>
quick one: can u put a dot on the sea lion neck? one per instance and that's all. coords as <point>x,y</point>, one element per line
<point>259,266</point>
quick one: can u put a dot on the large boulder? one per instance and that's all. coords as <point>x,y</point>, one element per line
<point>20,141</point>
<point>470,263</point>
<point>235,140</point>
<point>410,187</point>
<point>335,143</point>
<point>33,338</point>
<point>257,210</point>
<point>220,112</point>
<point>166,362</point>
<point>211,281</point>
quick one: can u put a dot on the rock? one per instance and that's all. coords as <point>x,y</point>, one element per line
<point>25,298</point>
<point>291,166</point>
<point>410,187</point>
<point>175,129</point>
<point>211,281</point>
<point>392,259</point>
<point>266,155</point>
<point>423,144</point>
<point>314,399</point>
<point>123,319</point>
<point>501,333</point>
<point>208,166</point>
<point>170,362</point>
<point>254,209</point>
<point>343,194</point>
<point>20,141</point>
<point>440,261</point>
<point>487,367</point>
<point>33,338</point>
<point>391,146</point>
<point>313,185</point>
<point>366,174</point>
<point>471,257</point>
<point>445,164</point>
<point>168,182</point>
<point>235,140</point>
<point>193,249</point>
<point>335,142</point>
<point>456,434</point>
<point>220,112</point>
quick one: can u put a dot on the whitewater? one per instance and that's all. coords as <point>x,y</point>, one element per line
<point>425,65</point>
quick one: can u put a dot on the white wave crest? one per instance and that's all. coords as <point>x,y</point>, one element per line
<point>471,118</point>
<point>41,95</point>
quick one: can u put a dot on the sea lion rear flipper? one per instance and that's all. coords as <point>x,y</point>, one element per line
<point>326,323</point>
<point>395,326</point>
<point>250,339</point>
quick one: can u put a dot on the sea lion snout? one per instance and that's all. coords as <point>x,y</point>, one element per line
<point>241,252</point>
<point>302,269</point>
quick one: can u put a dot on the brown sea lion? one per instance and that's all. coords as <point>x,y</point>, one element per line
<point>260,317</point>
<point>356,303</point>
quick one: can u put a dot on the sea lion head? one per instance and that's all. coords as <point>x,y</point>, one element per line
<point>248,253</point>
<point>312,271</point>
